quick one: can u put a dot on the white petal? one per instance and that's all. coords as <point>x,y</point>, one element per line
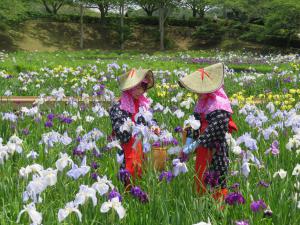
<point>121,211</point>
<point>80,199</point>
<point>78,213</point>
<point>35,216</point>
<point>175,171</point>
<point>101,188</point>
<point>105,207</point>
<point>20,214</point>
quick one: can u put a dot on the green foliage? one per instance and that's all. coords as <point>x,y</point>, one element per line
<point>12,11</point>
<point>173,203</point>
<point>283,19</point>
<point>149,6</point>
<point>273,22</point>
<point>254,33</point>
<point>209,31</point>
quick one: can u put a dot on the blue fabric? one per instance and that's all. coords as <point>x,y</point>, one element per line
<point>190,145</point>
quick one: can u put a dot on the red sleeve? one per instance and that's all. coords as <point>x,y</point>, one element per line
<point>232,126</point>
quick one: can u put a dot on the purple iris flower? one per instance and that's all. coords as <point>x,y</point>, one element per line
<point>78,139</point>
<point>96,153</point>
<point>274,148</point>
<point>156,144</point>
<point>94,165</point>
<point>258,205</point>
<point>67,120</point>
<point>235,186</point>
<point>212,178</point>
<point>136,191</point>
<point>114,194</point>
<point>94,176</point>
<point>167,175</point>
<point>184,157</point>
<point>144,197</point>
<point>263,184</point>
<point>50,116</point>
<point>234,198</point>
<point>124,175</point>
<point>99,92</point>
<point>287,80</point>
<point>48,124</point>
<point>178,129</point>
<point>175,142</point>
<point>242,222</point>
<point>25,131</point>
<point>78,152</point>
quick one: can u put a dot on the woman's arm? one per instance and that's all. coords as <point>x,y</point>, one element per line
<point>217,128</point>
<point>191,133</point>
<point>118,117</point>
<point>215,132</point>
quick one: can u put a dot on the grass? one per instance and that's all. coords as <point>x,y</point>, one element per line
<point>174,203</point>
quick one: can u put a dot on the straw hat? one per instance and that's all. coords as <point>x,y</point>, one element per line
<point>134,77</point>
<point>204,80</point>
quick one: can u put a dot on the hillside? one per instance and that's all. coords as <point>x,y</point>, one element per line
<point>45,35</point>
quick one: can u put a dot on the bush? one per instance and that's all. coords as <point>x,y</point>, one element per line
<point>193,22</point>
<point>209,31</point>
<point>144,20</point>
<point>255,33</point>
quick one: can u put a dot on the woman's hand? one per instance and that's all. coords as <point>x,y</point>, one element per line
<point>190,145</point>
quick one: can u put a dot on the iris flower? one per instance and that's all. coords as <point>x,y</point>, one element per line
<point>113,204</point>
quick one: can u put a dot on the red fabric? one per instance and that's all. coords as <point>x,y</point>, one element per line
<point>232,126</point>
<point>203,159</point>
<point>133,157</point>
<point>220,194</point>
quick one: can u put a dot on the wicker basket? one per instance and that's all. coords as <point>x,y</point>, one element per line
<point>159,155</point>
<point>184,135</point>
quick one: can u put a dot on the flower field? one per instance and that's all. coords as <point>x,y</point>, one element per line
<point>58,164</point>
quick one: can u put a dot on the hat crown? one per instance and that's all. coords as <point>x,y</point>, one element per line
<point>133,77</point>
<point>204,80</point>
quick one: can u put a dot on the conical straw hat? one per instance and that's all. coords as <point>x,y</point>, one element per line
<point>134,77</point>
<point>204,80</point>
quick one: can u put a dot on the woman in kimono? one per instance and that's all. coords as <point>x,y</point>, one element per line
<point>214,111</point>
<point>133,85</point>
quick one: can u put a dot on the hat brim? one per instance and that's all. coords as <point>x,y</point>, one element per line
<point>128,82</point>
<point>209,83</point>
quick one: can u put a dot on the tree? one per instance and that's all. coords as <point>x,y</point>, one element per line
<point>52,6</point>
<point>121,11</point>
<point>81,4</point>
<point>283,19</point>
<point>149,6</point>
<point>121,6</point>
<point>198,7</point>
<point>103,6</point>
<point>242,10</point>
<point>165,7</point>
<point>10,10</point>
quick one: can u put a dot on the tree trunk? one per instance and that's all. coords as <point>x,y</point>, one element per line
<point>122,25</point>
<point>162,28</point>
<point>54,11</point>
<point>103,12</point>
<point>81,26</point>
<point>201,13</point>
<point>194,12</point>
<point>149,12</point>
<point>47,7</point>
